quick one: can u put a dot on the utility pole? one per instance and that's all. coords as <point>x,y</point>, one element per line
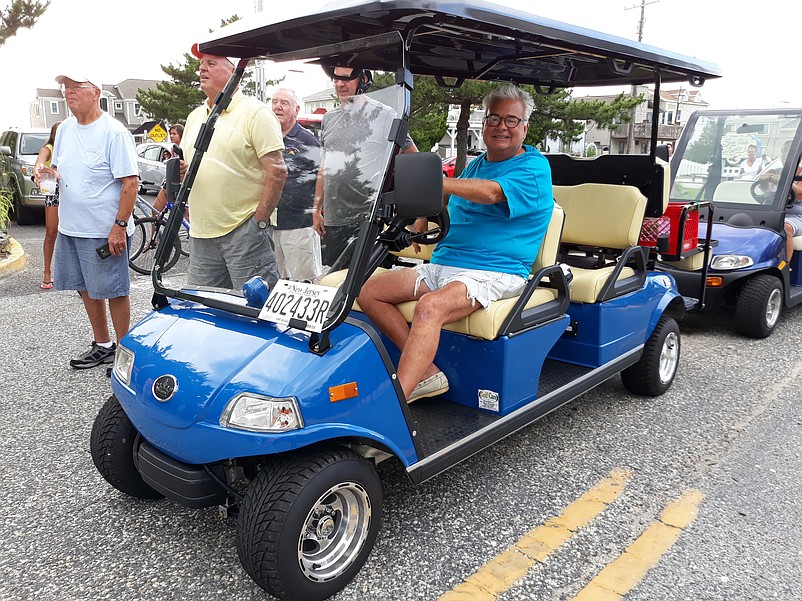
<point>634,91</point>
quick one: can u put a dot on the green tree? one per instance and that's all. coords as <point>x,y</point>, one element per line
<point>21,14</point>
<point>557,115</point>
<point>429,111</point>
<point>703,146</point>
<point>173,100</point>
<point>554,115</point>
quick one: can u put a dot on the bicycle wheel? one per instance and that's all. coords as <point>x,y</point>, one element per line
<point>183,236</point>
<point>138,240</point>
<point>150,228</point>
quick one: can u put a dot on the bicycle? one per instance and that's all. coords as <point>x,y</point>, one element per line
<point>147,234</point>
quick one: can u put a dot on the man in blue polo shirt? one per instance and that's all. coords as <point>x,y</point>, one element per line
<point>500,208</point>
<point>297,242</point>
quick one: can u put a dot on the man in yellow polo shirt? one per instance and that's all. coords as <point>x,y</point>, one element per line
<point>237,188</point>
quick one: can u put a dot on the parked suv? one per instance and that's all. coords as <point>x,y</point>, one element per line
<point>18,151</point>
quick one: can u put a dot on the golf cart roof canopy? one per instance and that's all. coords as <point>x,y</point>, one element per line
<point>459,40</point>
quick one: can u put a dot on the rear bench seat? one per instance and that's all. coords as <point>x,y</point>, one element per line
<point>603,217</point>
<point>481,323</point>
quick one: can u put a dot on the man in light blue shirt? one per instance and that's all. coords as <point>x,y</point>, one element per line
<point>499,208</point>
<point>95,159</point>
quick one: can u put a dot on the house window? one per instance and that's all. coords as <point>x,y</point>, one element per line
<point>620,148</point>
<point>670,117</point>
<point>104,104</point>
<point>54,107</point>
<point>137,109</point>
<point>118,106</point>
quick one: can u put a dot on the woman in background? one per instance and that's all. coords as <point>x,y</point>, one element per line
<point>51,210</point>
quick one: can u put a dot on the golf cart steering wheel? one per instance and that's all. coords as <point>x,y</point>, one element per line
<point>763,197</point>
<point>443,222</point>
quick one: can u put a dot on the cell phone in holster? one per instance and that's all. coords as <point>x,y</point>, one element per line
<point>104,251</point>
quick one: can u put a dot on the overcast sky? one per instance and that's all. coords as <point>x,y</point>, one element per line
<point>756,47</point>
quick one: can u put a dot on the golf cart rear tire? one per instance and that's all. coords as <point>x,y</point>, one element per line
<point>655,371</point>
<point>758,307</point>
<point>112,446</point>
<point>286,504</point>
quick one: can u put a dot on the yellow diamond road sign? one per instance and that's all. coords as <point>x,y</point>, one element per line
<point>157,134</point>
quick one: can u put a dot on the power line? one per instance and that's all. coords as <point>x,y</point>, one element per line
<point>634,91</point>
<point>642,6</point>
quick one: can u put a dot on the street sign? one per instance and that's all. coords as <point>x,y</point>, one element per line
<point>157,134</point>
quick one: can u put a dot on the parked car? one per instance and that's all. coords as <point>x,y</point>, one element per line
<point>150,159</point>
<point>18,151</point>
<point>748,268</point>
<point>313,123</point>
<point>450,164</point>
<point>279,403</point>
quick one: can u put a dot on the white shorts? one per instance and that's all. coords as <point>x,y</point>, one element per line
<point>483,286</point>
<point>298,254</point>
<point>796,222</point>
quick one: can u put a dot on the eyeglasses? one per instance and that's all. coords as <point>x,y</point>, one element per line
<point>510,121</point>
<point>78,87</point>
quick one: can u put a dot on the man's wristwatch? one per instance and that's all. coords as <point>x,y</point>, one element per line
<point>121,222</point>
<point>262,225</point>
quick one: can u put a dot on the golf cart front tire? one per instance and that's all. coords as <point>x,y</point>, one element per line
<point>307,524</point>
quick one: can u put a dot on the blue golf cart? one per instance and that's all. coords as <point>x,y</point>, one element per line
<point>278,404</point>
<point>744,163</point>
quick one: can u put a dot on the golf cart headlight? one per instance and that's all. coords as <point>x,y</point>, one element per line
<point>123,363</point>
<point>725,262</point>
<point>258,413</point>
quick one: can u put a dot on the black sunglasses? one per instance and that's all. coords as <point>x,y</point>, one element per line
<point>354,75</point>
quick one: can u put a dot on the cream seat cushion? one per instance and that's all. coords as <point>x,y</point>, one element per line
<point>603,215</point>
<point>600,215</point>
<point>588,283</point>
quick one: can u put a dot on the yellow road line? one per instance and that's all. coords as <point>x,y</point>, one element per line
<point>619,577</point>
<point>504,570</point>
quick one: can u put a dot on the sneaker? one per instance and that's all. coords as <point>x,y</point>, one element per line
<point>432,386</point>
<point>96,355</point>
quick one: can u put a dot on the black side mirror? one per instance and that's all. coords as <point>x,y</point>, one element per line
<point>173,177</point>
<point>661,152</point>
<point>418,184</point>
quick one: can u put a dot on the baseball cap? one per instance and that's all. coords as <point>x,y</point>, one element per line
<point>198,54</point>
<point>79,79</point>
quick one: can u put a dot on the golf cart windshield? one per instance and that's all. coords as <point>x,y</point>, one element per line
<point>739,161</point>
<point>454,43</point>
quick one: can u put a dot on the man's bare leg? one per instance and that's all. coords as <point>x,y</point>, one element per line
<point>379,296</point>
<point>120,309</point>
<point>96,311</point>
<point>789,241</point>
<point>434,309</point>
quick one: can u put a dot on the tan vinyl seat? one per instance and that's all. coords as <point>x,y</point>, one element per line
<point>601,216</point>
<point>486,323</point>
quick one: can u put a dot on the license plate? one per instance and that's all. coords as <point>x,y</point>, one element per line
<point>298,305</point>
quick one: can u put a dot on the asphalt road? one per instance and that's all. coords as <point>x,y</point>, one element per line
<point>729,428</point>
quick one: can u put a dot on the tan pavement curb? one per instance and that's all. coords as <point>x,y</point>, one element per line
<point>14,261</point>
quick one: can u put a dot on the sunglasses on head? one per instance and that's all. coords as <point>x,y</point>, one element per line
<point>355,74</point>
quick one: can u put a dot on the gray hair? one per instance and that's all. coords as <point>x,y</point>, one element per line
<point>509,91</point>
<point>292,94</point>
